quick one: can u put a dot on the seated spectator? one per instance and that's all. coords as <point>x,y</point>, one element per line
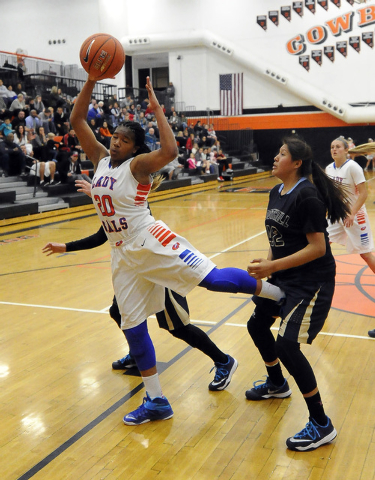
<point>6,127</point>
<point>39,143</point>
<point>20,135</point>
<point>71,141</point>
<point>51,148</point>
<point>54,99</point>
<point>144,104</point>
<point>5,94</point>
<point>223,162</point>
<point>190,143</point>
<point>200,158</point>
<point>194,164</point>
<point>44,170</point>
<point>61,122</point>
<point>126,102</point>
<point>202,142</point>
<point>154,127</point>
<point>19,119</point>
<point>175,120</point>
<point>32,121</point>
<point>181,140</point>
<point>142,120</point>
<point>151,140</point>
<point>46,118</point>
<point>94,128</point>
<point>94,113</point>
<point>183,120</point>
<point>38,104</point>
<point>18,89</point>
<point>3,108</point>
<point>18,104</point>
<point>211,133</point>
<point>198,128</point>
<point>12,159</point>
<point>105,135</point>
<point>115,115</point>
<point>172,169</point>
<point>70,170</point>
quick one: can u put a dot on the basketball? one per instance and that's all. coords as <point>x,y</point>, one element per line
<point>102,56</point>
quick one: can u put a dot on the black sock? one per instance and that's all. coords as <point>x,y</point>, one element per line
<point>275,374</point>
<point>197,338</point>
<point>316,410</point>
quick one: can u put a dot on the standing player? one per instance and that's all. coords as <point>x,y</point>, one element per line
<point>174,318</point>
<point>146,256</point>
<point>354,231</point>
<point>299,260</point>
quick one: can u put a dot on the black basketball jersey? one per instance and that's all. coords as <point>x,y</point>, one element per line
<point>289,218</point>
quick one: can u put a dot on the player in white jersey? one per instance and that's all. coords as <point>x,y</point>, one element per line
<point>355,231</point>
<point>146,255</point>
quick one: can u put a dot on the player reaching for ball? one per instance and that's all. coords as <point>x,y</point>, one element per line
<point>146,255</point>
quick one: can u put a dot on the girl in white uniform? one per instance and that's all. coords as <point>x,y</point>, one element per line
<point>355,231</point>
<point>146,255</point>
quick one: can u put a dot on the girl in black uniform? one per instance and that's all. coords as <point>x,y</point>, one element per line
<point>300,261</point>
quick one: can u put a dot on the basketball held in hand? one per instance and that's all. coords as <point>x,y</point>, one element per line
<point>102,56</point>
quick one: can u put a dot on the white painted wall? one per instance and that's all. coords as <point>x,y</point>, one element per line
<point>29,24</point>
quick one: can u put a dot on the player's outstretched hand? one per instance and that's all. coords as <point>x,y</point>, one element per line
<point>83,186</point>
<point>51,248</point>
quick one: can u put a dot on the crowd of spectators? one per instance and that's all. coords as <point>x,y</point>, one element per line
<point>37,130</point>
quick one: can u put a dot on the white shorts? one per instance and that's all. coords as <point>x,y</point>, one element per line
<point>357,238</point>
<point>47,172</point>
<point>155,259</point>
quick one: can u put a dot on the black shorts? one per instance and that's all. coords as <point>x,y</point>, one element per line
<point>305,309</point>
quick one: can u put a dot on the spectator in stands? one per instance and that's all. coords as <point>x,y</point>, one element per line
<point>172,169</point>
<point>126,102</point>
<point>32,121</point>
<point>115,115</point>
<point>21,68</point>
<point>6,127</point>
<point>39,142</point>
<point>38,104</point>
<point>3,108</point>
<point>142,120</point>
<point>151,140</point>
<point>92,103</point>
<point>170,93</point>
<point>194,164</point>
<point>132,113</point>
<point>94,128</point>
<point>105,135</point>
<point>51,151</point>
<point>71,141</point>
<point>190,143</point>
<point>19,120</point>
<point>181,140</point>
<point>61,122</point>
<point>11,92</point>
<point>198,128</point>
<point>223,162</point>
<point>183,121</point>
<point>44,170</point>
<point>95,114</point>
<point>12,159</point>
<point>211,133</point>
<point>46,118</point>
<point>18,104</point>
<point>54,99</point>
<point>20,135</point>
<point>18,89</point>
<point>6,95</point>
<point>175,121</point>
<point>72,170</point>
<point>113,99</point>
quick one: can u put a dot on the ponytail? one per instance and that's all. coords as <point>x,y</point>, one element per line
<point>334,194</point>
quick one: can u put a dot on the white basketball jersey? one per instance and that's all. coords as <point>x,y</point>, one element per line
<point>349,174</point>
<point>120,201</point>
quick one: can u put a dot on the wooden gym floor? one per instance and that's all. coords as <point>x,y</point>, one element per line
<point>62,405</point>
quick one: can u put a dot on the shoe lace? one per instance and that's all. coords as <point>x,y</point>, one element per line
<point>258,384</point>
<point>309,431</point>
<point>221,372</point>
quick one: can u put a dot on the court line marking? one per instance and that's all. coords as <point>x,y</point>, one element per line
<point>195,322</point>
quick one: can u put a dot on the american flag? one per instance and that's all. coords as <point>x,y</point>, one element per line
<point>231,94</point>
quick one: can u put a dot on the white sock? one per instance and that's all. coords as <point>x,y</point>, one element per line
<point>271,291</point>
<point>152,385</point>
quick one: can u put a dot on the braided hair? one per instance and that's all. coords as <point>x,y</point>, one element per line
<point>139,141</point>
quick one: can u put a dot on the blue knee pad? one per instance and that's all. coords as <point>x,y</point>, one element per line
<point>231,280</point>
<point>141,346</point>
